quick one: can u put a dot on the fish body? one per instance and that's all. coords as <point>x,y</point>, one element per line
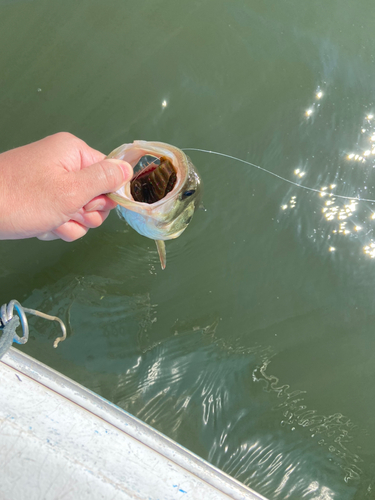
<point>160,200</point>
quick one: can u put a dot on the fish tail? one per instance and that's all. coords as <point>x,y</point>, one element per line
<point>160,245</point>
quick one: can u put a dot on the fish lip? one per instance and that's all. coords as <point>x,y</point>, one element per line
<point>132,153</point>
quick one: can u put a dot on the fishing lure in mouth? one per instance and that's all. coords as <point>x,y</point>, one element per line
<point>160,200</point>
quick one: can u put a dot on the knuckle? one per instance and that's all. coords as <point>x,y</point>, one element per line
<point>64,136</point>
<point>60,137</point>
<point>67,138</point>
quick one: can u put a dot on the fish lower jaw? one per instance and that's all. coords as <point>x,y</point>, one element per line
<point>147,227</point>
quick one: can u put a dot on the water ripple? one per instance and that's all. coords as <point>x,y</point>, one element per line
<point>214,396</point>
<point>267,439</point>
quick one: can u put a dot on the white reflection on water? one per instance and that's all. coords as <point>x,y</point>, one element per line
<point>323,493</point>
<point>370,250</point>
<point>299,173</point>
<point>312,109</point>
<point>345,216</point>
<point>334,431</point>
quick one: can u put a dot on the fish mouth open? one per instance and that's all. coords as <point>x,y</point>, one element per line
<point>154,182</point>
<point>160,199</point>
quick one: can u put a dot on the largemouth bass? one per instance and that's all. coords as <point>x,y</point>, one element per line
<point>160,200</point>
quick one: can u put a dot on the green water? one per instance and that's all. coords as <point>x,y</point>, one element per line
<point>255,348</point>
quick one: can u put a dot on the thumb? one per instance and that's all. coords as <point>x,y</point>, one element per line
<point>103,177</point>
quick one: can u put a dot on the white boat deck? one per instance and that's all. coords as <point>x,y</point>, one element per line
<point>59,440</point>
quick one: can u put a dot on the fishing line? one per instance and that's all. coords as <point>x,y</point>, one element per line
<point>307,188</point>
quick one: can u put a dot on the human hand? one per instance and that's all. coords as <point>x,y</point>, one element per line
<point>54,188</point>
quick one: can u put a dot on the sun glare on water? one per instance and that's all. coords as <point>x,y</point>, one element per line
<point>345,216</point>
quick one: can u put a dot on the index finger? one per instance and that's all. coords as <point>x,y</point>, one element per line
<point>100,203</point>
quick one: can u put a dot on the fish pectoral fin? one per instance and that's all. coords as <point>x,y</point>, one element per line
<point>160,245</point>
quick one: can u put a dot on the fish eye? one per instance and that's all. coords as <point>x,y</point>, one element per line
<point>188,193</point>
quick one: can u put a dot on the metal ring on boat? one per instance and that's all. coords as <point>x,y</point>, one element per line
<point>6,314</point>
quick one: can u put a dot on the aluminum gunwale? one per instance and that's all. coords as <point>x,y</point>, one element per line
<point>128,424</point>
